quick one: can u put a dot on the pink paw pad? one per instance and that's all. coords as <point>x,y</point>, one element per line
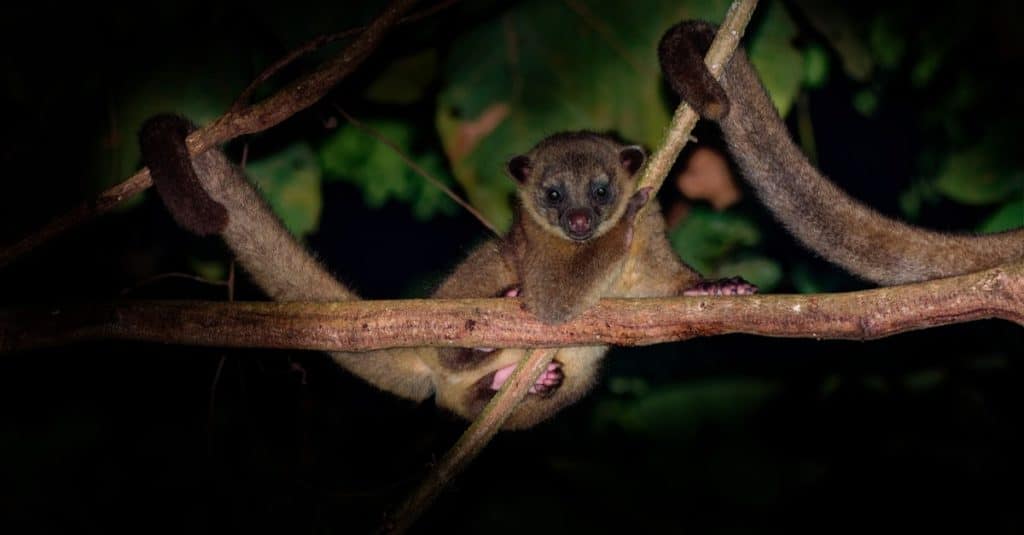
<point>548,382</point>
<point>732,286</point>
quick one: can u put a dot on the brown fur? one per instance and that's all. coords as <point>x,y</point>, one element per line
<point>562,276</point>
<point>174,177</point>
<point>823,217</point>
<point>461,382</point>
<point>682,59</point>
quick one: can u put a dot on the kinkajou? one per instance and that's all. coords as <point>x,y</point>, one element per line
<point>577,217</point>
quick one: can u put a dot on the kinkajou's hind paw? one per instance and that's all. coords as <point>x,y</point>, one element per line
<point>549,381</point>
<point>730,286</point>
<point>546,384</point>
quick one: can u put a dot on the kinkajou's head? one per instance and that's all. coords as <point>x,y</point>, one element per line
<point>576,184</point>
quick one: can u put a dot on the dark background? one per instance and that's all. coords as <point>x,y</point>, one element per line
<point>727,434</point>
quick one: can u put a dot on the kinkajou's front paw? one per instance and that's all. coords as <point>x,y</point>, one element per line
<point>636,202</point>
<point>730,286</point>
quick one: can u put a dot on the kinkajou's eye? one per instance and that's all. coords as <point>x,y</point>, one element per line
<point>600,192</point>
<point>553,195</point>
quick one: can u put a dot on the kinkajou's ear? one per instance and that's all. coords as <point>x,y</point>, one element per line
<point>632,158</point>
<point>519,168</point>
<point>681,52</point>
<point>162,140</point>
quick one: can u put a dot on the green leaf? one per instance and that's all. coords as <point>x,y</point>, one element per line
<point>816,65</point>
<point>925,68</point>
<point>866,102</point>
<point>805,281</point>
<point>842,29</point>
<point>213,270</point>
<point>888,45</point>
<point>290,181</point>
<point>351,155</point>
<point>911,201</point>
<point>764,272</point>
<point>680,411</point>
<point>405,80</point>
<point>707,237</point>
<point>628,386</point>
<point>1010,216</point>
<point>780,64</point>
<point>924,380</point>
<point>978,176</point>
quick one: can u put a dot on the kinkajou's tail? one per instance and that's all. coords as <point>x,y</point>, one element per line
<point>210,195</point>
<point>823,217</point>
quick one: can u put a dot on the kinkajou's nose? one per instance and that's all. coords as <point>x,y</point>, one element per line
<point>579,222</point>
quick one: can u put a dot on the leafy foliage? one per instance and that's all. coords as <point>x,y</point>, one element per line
<point>406,80</point>
<point>290,180</point>
<point>977,176</point>
<point>351,155</point>
<point>780,64</point>
<point>1008,217</point>
<point>680,411</point>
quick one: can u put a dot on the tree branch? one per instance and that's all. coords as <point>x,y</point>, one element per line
<point>368,325</point>
<point>260,116</point>
<point>317,43</point>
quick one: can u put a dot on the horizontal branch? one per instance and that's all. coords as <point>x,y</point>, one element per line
<point>367,325</point>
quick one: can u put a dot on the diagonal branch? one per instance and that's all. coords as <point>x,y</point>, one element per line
<point>685,118</point>
<point>501,405</point>
<point>317,43</point>
<point>290,100</point>
<point>474,439</point>
<point>369,325</point>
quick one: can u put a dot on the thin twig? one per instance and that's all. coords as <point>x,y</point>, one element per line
<point>374,133</point>
<point>317,43</point>
<point>231,280</point>
<point>223,358</point>
<point>609,37</point>
<point>174,275</point>
<point>265,114</point>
